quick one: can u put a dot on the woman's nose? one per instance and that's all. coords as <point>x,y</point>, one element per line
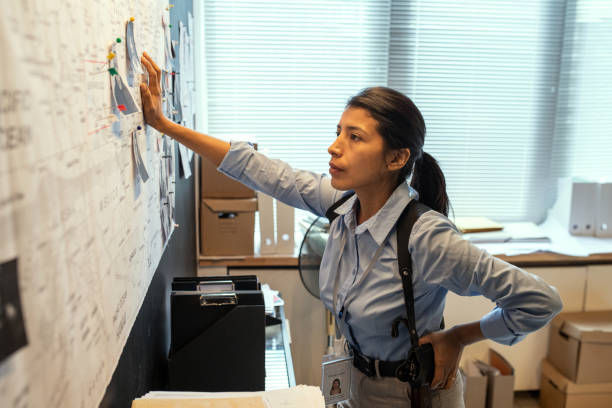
<point>334,148</point>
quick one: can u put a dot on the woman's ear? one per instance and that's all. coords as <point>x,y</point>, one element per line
<point>397,158</point>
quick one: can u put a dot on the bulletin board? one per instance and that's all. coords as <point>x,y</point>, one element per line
<point>86,192</point>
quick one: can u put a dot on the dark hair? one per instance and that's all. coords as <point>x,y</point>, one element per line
<point>401,125</point>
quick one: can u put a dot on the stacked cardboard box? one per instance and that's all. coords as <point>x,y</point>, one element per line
<point>227,214</point>
<point>578,370</point>
<point>489,385</point>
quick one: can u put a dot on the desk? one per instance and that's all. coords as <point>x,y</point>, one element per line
<point>538,259</point>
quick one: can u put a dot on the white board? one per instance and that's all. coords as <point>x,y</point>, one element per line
<point>85,228</point>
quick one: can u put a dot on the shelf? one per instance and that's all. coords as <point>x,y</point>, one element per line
<point>290,261</point>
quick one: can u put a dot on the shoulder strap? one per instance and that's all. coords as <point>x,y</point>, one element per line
<point>331,211</point>
<point>411,213</point>
<point>409,216</point>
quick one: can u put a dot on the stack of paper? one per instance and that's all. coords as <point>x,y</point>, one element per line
<point>512,232</point>
<point>476,224</point>
<point>302,396</point>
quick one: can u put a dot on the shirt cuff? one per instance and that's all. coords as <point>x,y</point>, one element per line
<point>494,327</point>
<point>236,159</point>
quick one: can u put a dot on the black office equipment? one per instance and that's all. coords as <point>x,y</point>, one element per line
<point>217,337</point>
<point>238,282</point>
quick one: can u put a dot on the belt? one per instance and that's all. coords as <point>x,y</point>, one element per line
<point>368,365</point>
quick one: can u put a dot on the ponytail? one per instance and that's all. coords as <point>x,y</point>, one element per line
<point>429,181</point>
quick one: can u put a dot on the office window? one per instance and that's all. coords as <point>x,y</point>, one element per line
<point>485,75</point>
<point>282,71</point>
<point>583,126</point>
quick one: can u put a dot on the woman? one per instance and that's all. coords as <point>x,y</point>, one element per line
<point>335,389</point>
<point>379,144</point>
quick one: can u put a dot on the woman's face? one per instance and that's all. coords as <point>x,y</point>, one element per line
<point>336,384</point>
<point>358,154</point>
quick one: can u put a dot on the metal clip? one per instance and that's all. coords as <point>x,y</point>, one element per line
<point>218,299</point>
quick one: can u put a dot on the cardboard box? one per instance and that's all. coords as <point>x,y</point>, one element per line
<point>475,392</point>
<point>227,226</point>
<point>500,381</point>
<point>214,184</point>
<point>557,391</point>
<point>580,346</point>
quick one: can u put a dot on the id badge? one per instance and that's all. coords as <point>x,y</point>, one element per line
<point>336,379</point>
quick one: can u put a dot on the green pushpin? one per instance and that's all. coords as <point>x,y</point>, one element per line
<point>112,71</point>
<point>170,25</point>
<point>118,40</point>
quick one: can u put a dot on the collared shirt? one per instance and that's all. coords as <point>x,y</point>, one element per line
<point>441,260</point>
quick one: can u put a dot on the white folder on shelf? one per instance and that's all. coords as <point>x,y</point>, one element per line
<point>603,225</point>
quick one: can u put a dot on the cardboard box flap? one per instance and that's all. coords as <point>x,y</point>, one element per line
<point>593,327</point>
<point>499,362</point>
<point>563,384</point>
<point>230,205</point>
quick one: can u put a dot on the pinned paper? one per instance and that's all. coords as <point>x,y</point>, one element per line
<point>140,166</point>
<point>133,62</point>
<point>121,99</point>
<point>185,165</point>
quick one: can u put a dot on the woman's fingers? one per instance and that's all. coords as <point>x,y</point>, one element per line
<point>153,64</point>
<point>153,76</point>
<point>450,380</point>
<point>439,378</point>
<point>150,107</point>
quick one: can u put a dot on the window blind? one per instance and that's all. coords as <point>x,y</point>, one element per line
<point>281,72</point>
<point>583,126</point>
<point>484,75</point>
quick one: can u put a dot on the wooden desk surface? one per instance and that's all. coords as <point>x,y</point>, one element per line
<point>529,260</point>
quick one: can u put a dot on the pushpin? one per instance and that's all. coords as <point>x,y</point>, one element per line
<point>112,71</point>
<point>110,56</point>
<point>131,18</point>
<point>170,25</point>
<point>118,40</point>
<point>121,107</point>
<point>138,127</point>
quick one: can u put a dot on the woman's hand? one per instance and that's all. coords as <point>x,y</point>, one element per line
<point>151,94</point>
<point>447,353</point>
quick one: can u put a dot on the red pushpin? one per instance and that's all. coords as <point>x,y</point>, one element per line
<point>121,107</point>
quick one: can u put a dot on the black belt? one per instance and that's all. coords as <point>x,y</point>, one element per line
<point>367,365</point>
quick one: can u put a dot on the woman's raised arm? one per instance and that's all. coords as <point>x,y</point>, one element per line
<point>207,146</point>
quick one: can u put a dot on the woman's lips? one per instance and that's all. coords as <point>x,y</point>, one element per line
<point>334,170</point>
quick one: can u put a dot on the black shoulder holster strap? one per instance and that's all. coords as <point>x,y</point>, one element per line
<point>406,221</point>
<point>411,213</point>
<point>331,211</point>
<point>420,386</point>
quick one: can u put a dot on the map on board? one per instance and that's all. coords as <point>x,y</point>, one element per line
<point>86,192</point>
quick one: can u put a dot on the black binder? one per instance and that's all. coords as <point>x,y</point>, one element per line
<point>217,338</point>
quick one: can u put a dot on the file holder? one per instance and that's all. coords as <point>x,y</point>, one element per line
<point>235,282</point>
<point>218,341</point>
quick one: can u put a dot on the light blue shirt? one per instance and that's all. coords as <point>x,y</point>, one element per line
<point>441,260</point>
